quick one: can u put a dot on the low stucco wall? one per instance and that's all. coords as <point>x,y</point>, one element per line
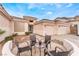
<point>6,50</point>
<point>6,25</point>
<point>75,48</point>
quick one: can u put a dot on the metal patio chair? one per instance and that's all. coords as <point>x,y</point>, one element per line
<point>28,47</point>
<point>22,49</point>
<point>33,42</point>
<point>47,41</point>
<point>62,53</point>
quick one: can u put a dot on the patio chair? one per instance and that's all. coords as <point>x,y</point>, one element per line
<point>47,41</point>
<point>32,42</point>
<point>62,53</point>
<point>22,49</point>
<point>27,48</point>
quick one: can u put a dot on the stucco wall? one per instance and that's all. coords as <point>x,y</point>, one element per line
<point>19,26</point>
<point>5,25</point>
<point>38,29</point>
<point>52,29</point>
<point>63,29</point>
<point>26,27</point>
<point>12,26</point>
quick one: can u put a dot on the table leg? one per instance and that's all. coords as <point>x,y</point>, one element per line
<point>31,51</point>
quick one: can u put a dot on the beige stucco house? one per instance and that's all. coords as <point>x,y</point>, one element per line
<point>61,25</point>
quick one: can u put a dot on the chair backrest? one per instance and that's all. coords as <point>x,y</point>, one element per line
<point>47,39</point>
<point>16,43</point>
<point>33,39</point>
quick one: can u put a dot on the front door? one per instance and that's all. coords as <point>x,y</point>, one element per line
<point>73,29</point>
<point>30,28</point>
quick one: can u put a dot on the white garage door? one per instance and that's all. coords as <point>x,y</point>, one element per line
<point>49,30</point>
<point>63,30</point>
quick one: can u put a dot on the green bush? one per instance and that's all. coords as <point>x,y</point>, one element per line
<point>8,38</point>
<point>14,34</point>
<point>2,32</point>
<point>28,33</point>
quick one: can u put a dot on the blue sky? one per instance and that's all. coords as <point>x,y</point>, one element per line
<point>42,10</point>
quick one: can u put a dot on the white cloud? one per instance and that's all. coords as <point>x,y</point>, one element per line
<point>32,5</point>
<point>49,13</point>
<point>42,8</point>
<point>11,11</point>
<point>58,5</point>
<point>69,5</point>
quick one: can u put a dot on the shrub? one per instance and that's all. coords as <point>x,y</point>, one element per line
<point>1,31</point>
<point>8,38</point>
<point>28,33</point>
<point>14,34</point>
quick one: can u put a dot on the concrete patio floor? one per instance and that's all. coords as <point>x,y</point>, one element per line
<point>73,38</point>
<point>1,49</point>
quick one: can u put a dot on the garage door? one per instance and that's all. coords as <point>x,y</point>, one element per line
<point>63,30</point>
<point>49,30</point>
